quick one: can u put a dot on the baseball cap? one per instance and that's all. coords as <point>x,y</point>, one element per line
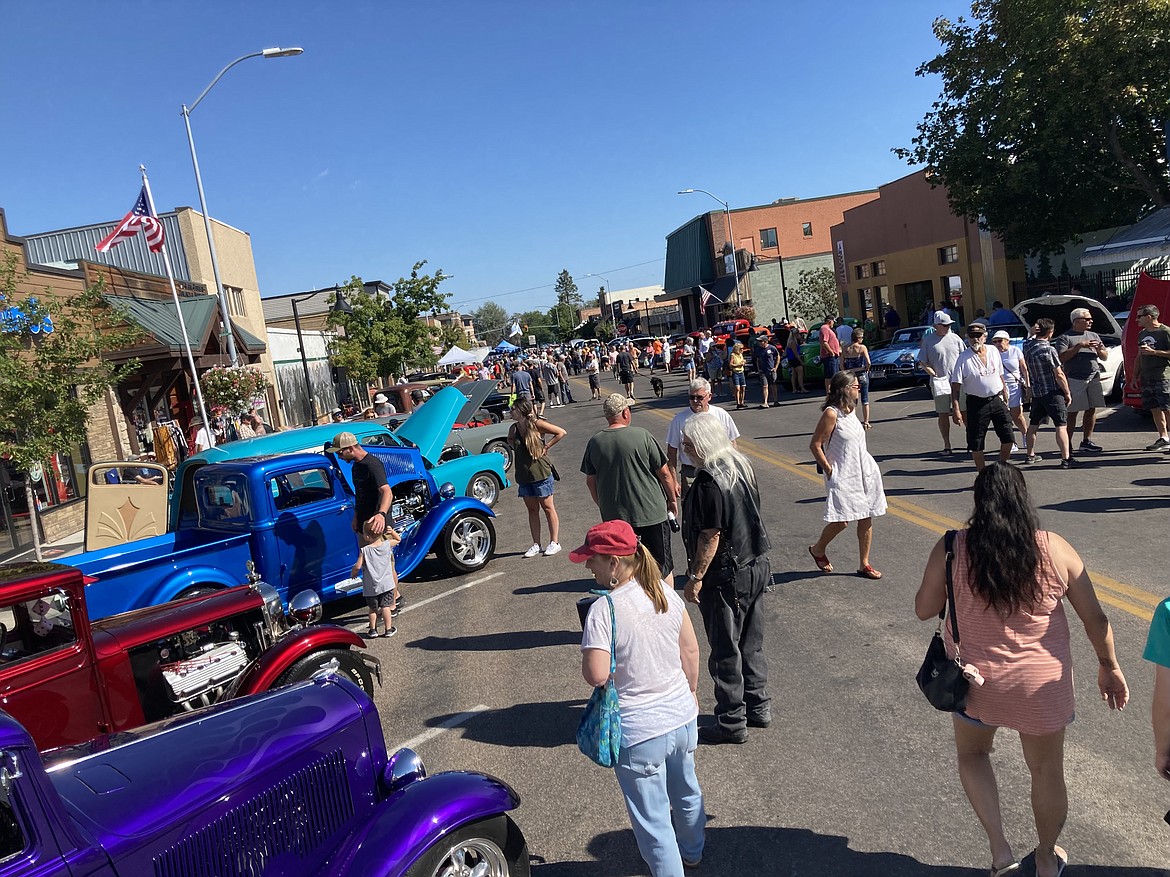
<point>941,318</point>
<point>614,404</point>
<point>615,538</point>
<point>342,440</point>
<point>1001,334</point>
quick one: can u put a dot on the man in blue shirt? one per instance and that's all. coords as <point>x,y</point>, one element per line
<point>1000,316</point>
<point>767,358</point>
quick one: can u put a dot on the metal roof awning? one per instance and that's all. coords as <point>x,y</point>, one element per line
<point>1147,239</point>
<point>158,318</point>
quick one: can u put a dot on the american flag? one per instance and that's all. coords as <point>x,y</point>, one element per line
<point>707,298</point>
<point>139,217</point>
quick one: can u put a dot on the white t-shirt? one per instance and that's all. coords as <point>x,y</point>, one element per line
<point>202,439</point>
<point>1011,358</point>
<point>652,688</point>
<point>674,431</point>
<point>845,334</point>
<point>705,345</point>
<point>977,377</point>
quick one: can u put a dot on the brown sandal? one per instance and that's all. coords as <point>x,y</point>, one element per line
<point>821,560</point>
<point>868,572</point>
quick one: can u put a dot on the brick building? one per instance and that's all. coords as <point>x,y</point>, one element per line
<point>907,248</point>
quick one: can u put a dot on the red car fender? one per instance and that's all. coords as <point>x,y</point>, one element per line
<point>262,673</point>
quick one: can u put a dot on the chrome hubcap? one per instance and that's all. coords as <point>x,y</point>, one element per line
<point>470,541</point>
<point>477,857</point>
<point>484,489</point>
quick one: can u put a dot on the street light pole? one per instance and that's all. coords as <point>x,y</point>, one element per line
<point>730,234</point>
<point>339,305</point>
<point>224,313</point>
<point>609,297</point>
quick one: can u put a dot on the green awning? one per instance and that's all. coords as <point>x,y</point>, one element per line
<point>158,318</point>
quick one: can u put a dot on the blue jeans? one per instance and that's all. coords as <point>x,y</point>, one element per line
<point>657,776</point>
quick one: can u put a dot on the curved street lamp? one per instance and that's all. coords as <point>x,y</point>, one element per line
<point>609,297</point>
<point>730,234</point>
<point>225,316</point>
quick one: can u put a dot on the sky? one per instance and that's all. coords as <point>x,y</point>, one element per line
<point>499,141</point>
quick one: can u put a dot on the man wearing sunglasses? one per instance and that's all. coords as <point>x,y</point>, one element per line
<point>698,402</point>
<point>1081,350</point>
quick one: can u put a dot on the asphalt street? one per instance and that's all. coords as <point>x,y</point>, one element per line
<point>856,774</point>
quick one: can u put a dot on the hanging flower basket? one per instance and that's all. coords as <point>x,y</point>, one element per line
<point>233,387</point>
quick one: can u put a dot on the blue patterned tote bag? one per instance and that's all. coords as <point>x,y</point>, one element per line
<point>599,735</point>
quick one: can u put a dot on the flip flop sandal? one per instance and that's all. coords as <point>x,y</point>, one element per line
<point>1005,870</point>
<point>868,572</point>
<point>821,560</point>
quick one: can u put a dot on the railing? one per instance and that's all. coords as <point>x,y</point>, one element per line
<point>1114,288</point>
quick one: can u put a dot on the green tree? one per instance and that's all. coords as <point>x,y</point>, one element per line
<point>449,336</point>
<point>815,295</point>
<point>1051,116</point>
<point>1044,268</point>
<point>566,291</point>
<point>385,336</point>
<point>48,380</point>
<point>539,324</point>
<point>491,323</point>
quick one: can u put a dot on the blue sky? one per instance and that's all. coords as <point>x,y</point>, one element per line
<point>500,141</point>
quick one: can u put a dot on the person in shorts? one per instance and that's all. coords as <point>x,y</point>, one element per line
<point>1050,392</point>
<point>1081,351</point>
<point>375,564</point>
<point>736,364</point>
<point>1154,371</point>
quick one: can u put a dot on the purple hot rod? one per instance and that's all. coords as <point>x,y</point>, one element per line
<point>291,782</point>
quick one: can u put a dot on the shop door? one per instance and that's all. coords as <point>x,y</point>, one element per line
<point>15,523</point>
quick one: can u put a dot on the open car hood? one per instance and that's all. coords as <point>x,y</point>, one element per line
<point>476,393</point>
<point>430,424</point>
<point>1058,309</point>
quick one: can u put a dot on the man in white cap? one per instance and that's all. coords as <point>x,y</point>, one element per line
<point>938,353</point>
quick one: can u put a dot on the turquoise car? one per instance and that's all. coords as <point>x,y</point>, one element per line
<point>481,476</point>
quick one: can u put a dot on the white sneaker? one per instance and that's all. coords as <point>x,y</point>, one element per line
<point>553,548</point>
<point>533,551</point>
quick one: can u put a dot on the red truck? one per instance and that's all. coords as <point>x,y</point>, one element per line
<point>1149,291</point>
<point>68,680</point>
<point>738,330</point>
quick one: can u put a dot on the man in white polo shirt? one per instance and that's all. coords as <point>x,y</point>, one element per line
<point>979,372</point>
<point>699,402</point>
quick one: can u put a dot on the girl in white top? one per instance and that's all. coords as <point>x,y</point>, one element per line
<point>657,676</point>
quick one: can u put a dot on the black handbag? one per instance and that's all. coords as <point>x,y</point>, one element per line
<point>941,678</point>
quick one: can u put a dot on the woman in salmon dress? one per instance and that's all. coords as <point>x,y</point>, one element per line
<point>1010,582</point>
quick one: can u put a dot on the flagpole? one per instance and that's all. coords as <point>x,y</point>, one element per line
<point>179,310</point>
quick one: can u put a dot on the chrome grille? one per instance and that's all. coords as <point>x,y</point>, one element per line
<point>294,817</point>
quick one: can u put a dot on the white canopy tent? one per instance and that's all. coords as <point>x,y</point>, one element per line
<point>458,356</point>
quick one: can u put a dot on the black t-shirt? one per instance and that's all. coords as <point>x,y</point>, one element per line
<point>369,476</point>
<point>625,361</point>
<point>704,510</point>
<point>1153,368</point>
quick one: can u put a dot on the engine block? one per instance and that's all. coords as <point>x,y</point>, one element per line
<point>219,663</point>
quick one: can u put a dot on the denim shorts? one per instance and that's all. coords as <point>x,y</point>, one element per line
<point>831,365</point>
<point>537,488</point>
<point>739,379</point>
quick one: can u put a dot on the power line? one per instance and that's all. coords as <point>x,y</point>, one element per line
<point>465,301</point>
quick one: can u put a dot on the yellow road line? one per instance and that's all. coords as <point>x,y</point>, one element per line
<point>1134,600</point>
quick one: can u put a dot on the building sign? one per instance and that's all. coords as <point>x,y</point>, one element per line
<point>13,319</point>
<point>842,274</point>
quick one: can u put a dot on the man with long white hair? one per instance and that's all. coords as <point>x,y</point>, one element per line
<point>727,546</point>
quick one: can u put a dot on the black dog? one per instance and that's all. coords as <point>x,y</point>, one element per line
<point>656,386</point>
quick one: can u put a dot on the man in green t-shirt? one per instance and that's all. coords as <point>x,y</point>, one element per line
<point>1154,371</point>
<point>630,481</point>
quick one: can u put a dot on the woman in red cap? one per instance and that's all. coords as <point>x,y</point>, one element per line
<point>657,675</point>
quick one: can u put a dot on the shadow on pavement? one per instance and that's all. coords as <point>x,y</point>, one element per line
<point>574,586</point>
<point>1107,504</point>
<point>541,725</point>
<point>498,642</point>
<point>791,852</point>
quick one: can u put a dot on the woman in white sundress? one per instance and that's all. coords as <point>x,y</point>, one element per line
<point>852,478</point>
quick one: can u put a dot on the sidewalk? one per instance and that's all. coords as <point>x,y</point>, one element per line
<point>72,544</point>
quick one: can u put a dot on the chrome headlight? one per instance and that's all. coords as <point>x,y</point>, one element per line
<point>403,768</point>
<point>446,490</point>
<point>305,608</point>
<point>273,607</point>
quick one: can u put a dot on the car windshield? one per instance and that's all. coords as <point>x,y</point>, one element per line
<point>907,337</point>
